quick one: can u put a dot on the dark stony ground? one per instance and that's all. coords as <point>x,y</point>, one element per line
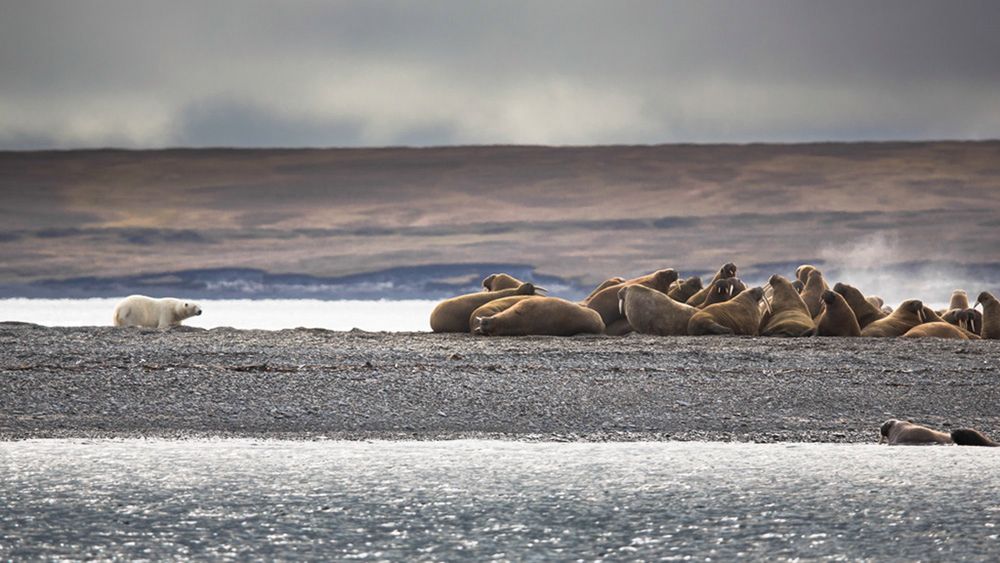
<point>306,383</point>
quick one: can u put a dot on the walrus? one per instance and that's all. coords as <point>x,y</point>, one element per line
<point>499,282</point>
<point>905,433</point>
<point>811,293</point>
<point>726,271</point>
<point>802,272</point>
<point>876,301</point>
<point>651,312</point>
<point>494,307</point>
<point>967,319</point>
<point>739,315</point>
<point>140,310</point>
<point>939,329</point>
<point>959,300</point>
<point>605,302</point>
<point>798,285</point>
<point>721,290</point>
<point>452,315</point>
<point>991,315</point>
<point>549,316</point>
<point>683,290</point>
<point>864,312</point>
<point>789,315</point>
<point>604,285</point>
<point>837,318</point>
<point>621,327</point>
<point>909,314</point>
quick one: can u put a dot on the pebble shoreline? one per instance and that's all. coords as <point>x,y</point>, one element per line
<point>102,382</point>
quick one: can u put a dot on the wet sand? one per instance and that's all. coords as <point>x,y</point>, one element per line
<point>89,382</point>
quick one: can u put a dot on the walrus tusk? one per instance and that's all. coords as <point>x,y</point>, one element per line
<point>540,289</point>
<point>920,315</point>
<point>621,306</point>
<point>766,304</point>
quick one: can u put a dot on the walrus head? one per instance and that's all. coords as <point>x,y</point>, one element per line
<point>662,279</point>
<point>728,271</point>
<point>798,285</point>
<point>528,288</point>
<point>802,272</point>
<point>984,299</point>
<point>915,307</point>
<point>483,325</point>
<point>971,320</point>
<point>828,296</point>
<point>694,282</point>
<point>886,428</point>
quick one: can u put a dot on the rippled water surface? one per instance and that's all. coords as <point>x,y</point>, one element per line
<point>503,500</point>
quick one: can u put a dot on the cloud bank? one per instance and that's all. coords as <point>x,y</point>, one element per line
<point>251,73</point>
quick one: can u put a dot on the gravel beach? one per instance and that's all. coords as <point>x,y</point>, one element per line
<point>93,382</point>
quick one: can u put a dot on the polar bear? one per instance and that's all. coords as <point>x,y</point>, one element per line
<point>139,310</point>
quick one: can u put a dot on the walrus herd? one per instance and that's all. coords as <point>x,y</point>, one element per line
<point>663,304</point>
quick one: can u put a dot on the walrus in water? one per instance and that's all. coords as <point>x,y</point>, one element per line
<point>904,433</point>
<point>991,315</point>
<point>789,315</point>
<point>605,302</point>
<point>452,315</point>
<point>548,316</point>
<point>603,285</point>
<point>837,318</point>
<point>939,329</point>
<point>494,307</point>
<point>739,315</point>
<point>726,271</point>
<point>683,290</point>
<point>813,291</point>
<point>864,312</point>
<point>499,282</point>
<point>651,312</point>
<point>909,314</point>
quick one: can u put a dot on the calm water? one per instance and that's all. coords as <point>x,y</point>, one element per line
<point>268,314</point>
<point>496,500</point>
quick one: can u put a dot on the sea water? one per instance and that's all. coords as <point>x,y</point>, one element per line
<point>267,314</point>
<point>493,500</point>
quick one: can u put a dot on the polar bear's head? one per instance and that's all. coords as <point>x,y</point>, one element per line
<point>186,309</point>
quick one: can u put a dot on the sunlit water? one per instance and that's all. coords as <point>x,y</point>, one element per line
<point>268,314</point>
<point>496,500</point>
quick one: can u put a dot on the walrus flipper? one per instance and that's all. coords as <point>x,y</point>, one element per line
<point>970,437</point>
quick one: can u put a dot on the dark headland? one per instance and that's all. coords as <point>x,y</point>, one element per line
<point>307,384</point>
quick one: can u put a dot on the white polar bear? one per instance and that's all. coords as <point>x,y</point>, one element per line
<point>139,310</point>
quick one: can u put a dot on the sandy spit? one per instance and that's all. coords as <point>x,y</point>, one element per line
<point>311,384</point>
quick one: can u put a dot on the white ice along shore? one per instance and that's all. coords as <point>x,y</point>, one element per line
<point>265,314</point>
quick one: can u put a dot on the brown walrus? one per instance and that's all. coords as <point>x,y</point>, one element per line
<point>604,285</point>
<point>651,312</point>
<point>726,271</point>
<point>605,302</point>
<point>683,290</point>
<point>798,285</point>
<point>939,329</point>
<point>788,315</point>
<point>621,327</point>
<point>991,315</point>
<point>802,272</point>
<point>813,291</point>
<point>549,316</point>
<point>864,312</point>
<point>959,300</point>
<point>909,314</point>
<point>967,319</point>
<point>452,315</point>
<point>494,307</point>
<point>499,282</point>
<point>837,318</point>
<point>875,300</point>
<point>905,433</point>
<point>739,315</point>
<point>721,291</point>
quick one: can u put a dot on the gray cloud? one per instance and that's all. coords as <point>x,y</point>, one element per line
<point>310,73</point>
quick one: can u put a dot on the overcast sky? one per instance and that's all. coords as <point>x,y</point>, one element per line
<point>128,73</point>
